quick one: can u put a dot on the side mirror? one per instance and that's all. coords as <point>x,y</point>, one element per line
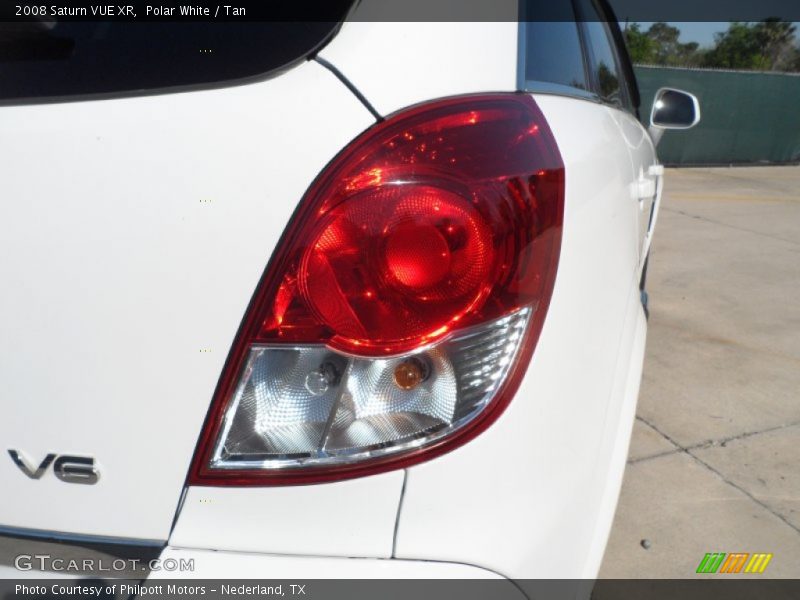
<point>673,109</point>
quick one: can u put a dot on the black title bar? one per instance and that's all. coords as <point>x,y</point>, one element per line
<point>49,11</point>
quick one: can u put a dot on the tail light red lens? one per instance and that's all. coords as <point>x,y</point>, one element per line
<point>392,268</point>
<point>431,241</point>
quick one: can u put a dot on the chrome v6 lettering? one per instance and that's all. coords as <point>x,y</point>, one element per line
<point>70,469</point>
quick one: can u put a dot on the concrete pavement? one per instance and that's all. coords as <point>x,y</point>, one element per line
<point>714,464</point>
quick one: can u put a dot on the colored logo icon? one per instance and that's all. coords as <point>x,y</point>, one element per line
<point>735,562</point>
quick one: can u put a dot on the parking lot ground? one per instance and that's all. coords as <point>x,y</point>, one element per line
<point>714,464</point>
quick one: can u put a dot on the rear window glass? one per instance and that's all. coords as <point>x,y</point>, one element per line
<point>553,54</point>
<point>605,64</point>
<point>53,60</point>
<point>551,45</point>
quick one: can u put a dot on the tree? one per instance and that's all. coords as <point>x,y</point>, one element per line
<point>640,46</point>
<point>769,45</point>
<point>737,48</point>
<point>766,46</point>
<point>688,55</point>
<point>666,40</point>
<point>778,42</point>
<point>660,45</point>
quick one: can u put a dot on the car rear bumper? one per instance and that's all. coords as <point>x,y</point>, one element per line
<point>181,563</point>
<point>353,578</point>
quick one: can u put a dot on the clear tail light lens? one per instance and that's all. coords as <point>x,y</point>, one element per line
<point>403,304</point>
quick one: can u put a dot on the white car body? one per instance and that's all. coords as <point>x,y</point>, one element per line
<point>133,232</point>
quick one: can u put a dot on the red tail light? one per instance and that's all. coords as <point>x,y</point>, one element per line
<point>403,304</point>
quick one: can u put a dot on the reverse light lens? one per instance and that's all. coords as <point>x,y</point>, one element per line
<point>275,421</point>
<point>399,312</point>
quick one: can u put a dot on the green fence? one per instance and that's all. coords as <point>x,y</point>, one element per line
<point>747,117</point>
